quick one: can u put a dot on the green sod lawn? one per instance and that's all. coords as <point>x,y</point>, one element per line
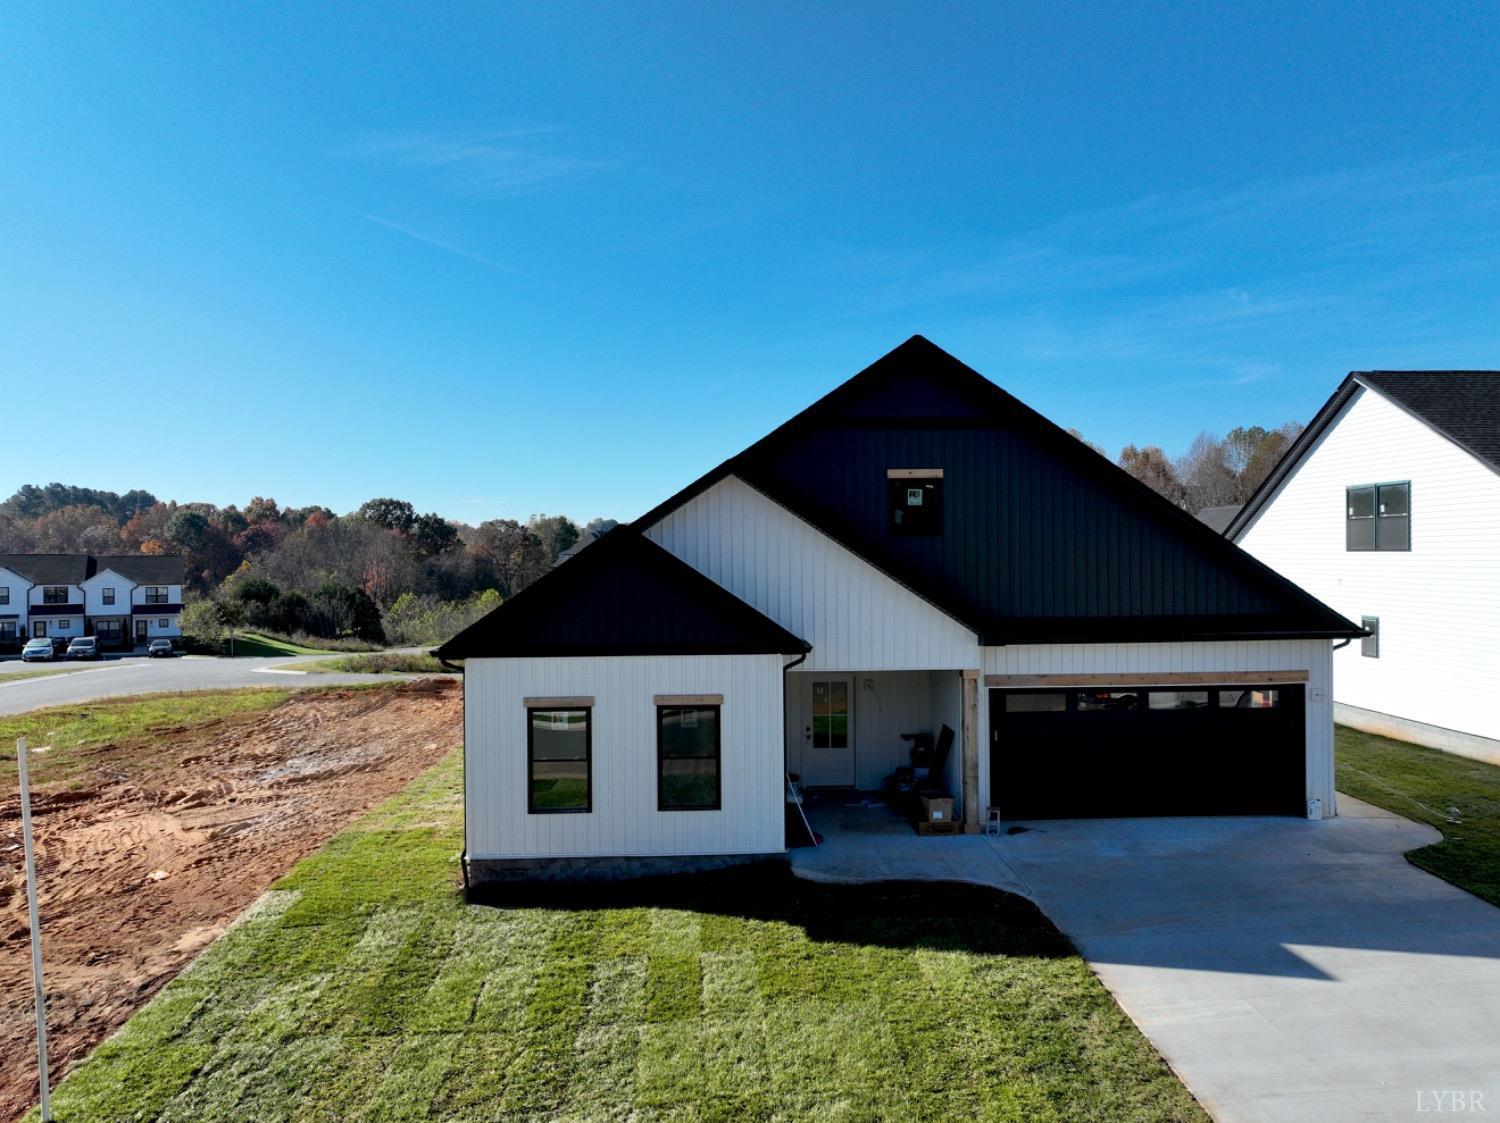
<point>252,644</point>
<point>365,988</point>
<point>1424,784</point>
<point>374,663</point>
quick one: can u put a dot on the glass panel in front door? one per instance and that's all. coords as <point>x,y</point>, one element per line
<point>838,715</point>
<point>830,715</point>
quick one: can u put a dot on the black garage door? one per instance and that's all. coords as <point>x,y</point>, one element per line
<point>1122,751</point>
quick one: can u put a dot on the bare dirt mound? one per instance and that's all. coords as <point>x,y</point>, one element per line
<point>138,874</point>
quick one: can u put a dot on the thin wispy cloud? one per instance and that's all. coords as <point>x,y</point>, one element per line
<point>1359,263</point>
<point>439,243</point>
<point>478,163</point>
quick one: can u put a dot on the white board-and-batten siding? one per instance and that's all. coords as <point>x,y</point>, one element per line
<point>1438,603</point>
<point>855,617</point>
<point>1314,657</point>
<point>625,820</point>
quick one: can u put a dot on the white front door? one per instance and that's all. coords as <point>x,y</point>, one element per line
<point>828,731</point>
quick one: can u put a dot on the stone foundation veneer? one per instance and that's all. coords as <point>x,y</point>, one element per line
<point>501,871</point>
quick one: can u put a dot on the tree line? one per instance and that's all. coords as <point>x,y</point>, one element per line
<point>1215,471</point>
<point>385,573</point>
<point>381,572</point>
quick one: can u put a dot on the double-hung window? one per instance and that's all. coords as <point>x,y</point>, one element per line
<point>558,745</point>
<point>1378,517</point>
<point>4,594</point>
<point>108,596</point>
<point>687,753</point>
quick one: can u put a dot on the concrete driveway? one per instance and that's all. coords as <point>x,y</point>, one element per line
<point>1286,970</point>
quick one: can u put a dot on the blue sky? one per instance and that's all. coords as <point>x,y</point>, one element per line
<point>564,258</point>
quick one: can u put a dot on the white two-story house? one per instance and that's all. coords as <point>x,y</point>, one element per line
<point>1387,509</point>
<point>124,600</point>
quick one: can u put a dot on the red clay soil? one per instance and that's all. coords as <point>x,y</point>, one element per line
<point>138,875</point>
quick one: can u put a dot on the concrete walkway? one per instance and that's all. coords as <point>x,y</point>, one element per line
<point>1286,970</point>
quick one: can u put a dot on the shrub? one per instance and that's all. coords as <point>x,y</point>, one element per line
<point>426,621</point>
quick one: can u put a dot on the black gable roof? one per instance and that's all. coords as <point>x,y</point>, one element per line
<point>48,569</point>
<point>1462,405</point>
<point>1044,540</point>
<point>73,569</point>
<point>145,569</point>
<point>624,595</point>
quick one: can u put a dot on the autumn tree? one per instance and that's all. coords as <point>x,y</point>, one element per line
<point>1155,469</point>
<point>512,555</point>
<point>393,514</point>
<point>555,532</point>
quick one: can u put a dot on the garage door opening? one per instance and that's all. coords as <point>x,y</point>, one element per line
<point>1123,751</point>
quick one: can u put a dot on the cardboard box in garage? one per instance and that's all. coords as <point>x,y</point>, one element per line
<point>937,808</point>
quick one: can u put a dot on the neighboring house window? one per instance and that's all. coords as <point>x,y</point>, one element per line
<point>54,594</point>
<point>7,630</point>
<point>162,623</point>
<point>109,596</point>
<point>4,594</point>
<point>1378,517</point>
<point>914,498</point>
<point>687,758</point>
<point>156,594</point>
<point>1370,645</point>
<point>64,624</point>
<point>558,744</point>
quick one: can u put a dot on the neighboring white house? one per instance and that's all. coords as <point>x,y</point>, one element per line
<point>916,550</point>
<point>1387,508</point>
<point>124,600</point>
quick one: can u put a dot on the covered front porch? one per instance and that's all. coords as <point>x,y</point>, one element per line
<point>864,838</point>
<point>850,732</point>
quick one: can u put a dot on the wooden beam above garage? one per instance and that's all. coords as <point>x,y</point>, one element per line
<point>1150,678</point>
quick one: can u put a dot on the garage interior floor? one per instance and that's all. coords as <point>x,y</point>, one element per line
<point>1287,970</point>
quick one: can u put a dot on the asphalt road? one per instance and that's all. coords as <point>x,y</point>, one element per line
<point>114,678</point>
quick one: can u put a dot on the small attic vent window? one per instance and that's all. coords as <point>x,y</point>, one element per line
<point>914,497</point>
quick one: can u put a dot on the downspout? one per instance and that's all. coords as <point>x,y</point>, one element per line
<point>786,774</point>
<point>785,758</point>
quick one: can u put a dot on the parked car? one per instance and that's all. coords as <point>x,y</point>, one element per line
<point>160,649</point>
<point>84,647</point>
<point>37,651</point>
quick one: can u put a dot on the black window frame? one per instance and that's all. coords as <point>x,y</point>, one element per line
<point>157,594</point>
<point>588,760</point>
<point>931,523</point>
<point>1369,646</point>
<point>717,758</point>
<point>54,594</point>
<point>1377,518</point>
<point>4,594</point>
